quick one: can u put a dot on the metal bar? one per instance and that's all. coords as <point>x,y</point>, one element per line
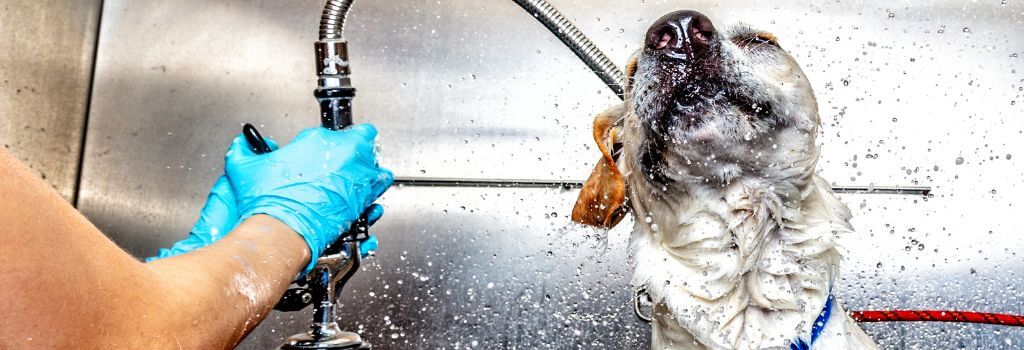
<point>907,190</point>
<point>573,184</point>
<point>80,164</point>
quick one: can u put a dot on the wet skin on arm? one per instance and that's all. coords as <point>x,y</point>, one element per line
<point>66,285</point>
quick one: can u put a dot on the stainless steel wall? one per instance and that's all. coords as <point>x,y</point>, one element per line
<point>925,94</point>
<point>46,53</point>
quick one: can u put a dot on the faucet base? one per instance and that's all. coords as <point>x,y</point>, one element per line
<point>330,338</point>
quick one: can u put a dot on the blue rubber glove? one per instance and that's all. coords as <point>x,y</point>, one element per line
<point>318,185</point>
<point>219,216</point>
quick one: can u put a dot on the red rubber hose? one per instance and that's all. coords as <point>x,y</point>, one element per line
<point>938,316</point>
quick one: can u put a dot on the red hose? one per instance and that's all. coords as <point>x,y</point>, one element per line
<point>938,316</point>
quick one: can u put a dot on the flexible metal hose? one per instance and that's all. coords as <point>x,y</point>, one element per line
<point>572,37</point>
<point>332,23</point>
<point>332,26</point>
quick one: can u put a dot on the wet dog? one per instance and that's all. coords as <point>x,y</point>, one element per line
<point>714,153</point>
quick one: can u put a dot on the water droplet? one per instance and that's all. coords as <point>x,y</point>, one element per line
<point>959,160</point>
<point>967,30</point>
<point>892,15</point>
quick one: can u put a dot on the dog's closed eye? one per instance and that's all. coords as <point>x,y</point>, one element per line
<point>756,40</point>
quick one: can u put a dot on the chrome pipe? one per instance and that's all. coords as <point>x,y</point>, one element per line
<point>332,22</point>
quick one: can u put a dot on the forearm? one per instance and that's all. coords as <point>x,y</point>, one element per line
<point>226,289</point>
<point>65,285</point>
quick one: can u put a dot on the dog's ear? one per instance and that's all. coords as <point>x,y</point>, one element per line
<point>631,66</point>
<point>602,200</point>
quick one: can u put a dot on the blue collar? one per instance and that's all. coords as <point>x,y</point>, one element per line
<point>819,324</point>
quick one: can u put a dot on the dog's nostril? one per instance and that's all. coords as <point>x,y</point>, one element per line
<point>662,39</point>
<point>701,28</point>
<point>688,31</point>
<point>699,34</point>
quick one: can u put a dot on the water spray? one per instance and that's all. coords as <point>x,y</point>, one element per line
<point>341,260</point>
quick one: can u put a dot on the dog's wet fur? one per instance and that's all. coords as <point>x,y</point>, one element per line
<point>714,152</point>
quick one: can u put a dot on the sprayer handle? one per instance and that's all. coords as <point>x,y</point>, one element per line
<point>336,114</point>
<point>335,106</point>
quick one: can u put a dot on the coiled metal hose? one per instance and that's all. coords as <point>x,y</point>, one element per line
<point>567,32</point>
<point>332,22</point>
<point>332,26</point>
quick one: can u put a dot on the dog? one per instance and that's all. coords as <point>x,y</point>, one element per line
<point>714,153</point>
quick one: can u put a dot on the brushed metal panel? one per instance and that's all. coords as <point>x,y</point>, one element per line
<point>46,53</point>
<point>483,268</point>
<point>502,268</point>
<point>928,95</point>
<point>175,80</point>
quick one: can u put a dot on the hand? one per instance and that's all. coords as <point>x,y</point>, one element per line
<point>317,185</point>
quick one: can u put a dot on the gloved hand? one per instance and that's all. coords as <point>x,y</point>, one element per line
<point>318,185</point>
<point>219,216</point>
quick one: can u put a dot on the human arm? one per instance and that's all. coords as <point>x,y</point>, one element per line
<point>66,285</point>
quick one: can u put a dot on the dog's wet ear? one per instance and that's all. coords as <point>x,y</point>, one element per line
<point>631,66</point>
<point>602,201</point>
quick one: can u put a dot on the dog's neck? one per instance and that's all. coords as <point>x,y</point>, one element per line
<point>747,264</point>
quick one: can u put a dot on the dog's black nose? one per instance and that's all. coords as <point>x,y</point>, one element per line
<point>685,32</point>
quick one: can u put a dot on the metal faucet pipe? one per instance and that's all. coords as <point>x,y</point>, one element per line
<point>332,22</point>
<point>334,94</point>
<point>573,38</point>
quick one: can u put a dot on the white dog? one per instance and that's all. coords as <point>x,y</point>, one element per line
<point>714,152</point>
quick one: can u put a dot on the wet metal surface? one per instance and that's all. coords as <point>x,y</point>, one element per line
<point>46,52</point>
<point>915,95</point>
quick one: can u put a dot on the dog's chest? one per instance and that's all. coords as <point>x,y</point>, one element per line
<point>713,235</point>
<point>740,264</point>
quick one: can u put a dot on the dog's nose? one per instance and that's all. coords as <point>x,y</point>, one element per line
<point>685,32</point>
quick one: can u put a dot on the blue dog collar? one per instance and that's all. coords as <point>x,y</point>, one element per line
<point>819,324</point>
